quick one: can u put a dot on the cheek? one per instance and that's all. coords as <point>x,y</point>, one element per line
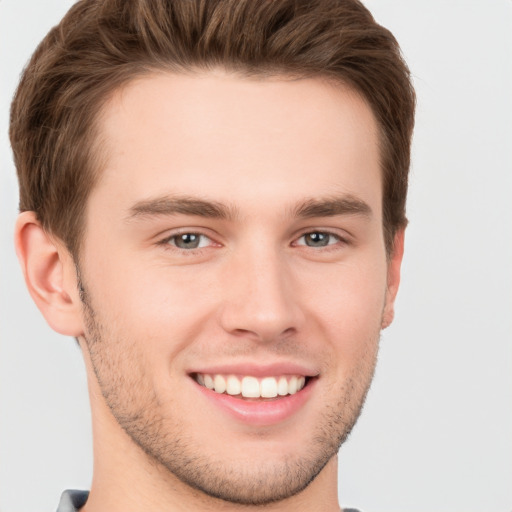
<point>161,307</point>
<point>346,302</point>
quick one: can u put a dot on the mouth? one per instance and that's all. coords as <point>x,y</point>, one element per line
<point>257,395</point>
<point>251,388</point>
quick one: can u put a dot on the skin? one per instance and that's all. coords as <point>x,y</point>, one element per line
<point>254,292</point>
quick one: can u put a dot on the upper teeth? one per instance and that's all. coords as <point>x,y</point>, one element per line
<point>252,387</point>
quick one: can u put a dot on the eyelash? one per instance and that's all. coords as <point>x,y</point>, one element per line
<point>167,245</point>
<point>330,246</point>
<point>166,242</point>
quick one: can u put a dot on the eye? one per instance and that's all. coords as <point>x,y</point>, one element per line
<point>188,241</point>
<point>318,239</point>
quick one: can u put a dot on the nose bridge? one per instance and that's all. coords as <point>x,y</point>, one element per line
<point>261,302</point>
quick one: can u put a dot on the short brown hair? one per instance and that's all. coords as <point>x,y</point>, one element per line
<point>102,44</point>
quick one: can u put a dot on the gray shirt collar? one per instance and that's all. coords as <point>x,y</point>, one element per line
<point>72,500</point>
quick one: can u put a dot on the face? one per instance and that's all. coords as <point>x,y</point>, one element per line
<point>234,276</point>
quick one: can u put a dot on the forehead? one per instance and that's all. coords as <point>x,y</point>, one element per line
<point>221,136</point>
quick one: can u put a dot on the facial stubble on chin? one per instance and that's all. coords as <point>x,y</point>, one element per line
<point>167,442</point>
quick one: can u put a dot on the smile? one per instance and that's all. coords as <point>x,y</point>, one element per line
<point>252,387</point>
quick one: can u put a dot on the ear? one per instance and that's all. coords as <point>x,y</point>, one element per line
<point>50,275</point>
<point>393,278</point>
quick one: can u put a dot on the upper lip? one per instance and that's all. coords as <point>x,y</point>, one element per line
<point>257,370</point>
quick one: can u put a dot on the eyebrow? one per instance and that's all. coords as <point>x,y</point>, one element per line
<point>332,206</point>
<point>181,205</point>
<point>184,205</point>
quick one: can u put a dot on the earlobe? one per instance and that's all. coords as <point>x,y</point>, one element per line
<point>393,279</point>
<point>49,274</point>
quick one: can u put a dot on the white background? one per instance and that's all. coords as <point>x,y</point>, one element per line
<point>436,433</point>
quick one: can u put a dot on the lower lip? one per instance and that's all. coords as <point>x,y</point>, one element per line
<point>259,413</point>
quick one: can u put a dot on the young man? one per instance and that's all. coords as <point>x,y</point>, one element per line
<point>213,204</point>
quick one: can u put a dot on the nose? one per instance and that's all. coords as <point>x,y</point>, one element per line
<point>261,301</point>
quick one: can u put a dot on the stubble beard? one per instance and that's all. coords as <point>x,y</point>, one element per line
<point>167,442</point>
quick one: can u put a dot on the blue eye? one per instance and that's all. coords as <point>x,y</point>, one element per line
<point>189,241</point>
<point>318,239</point>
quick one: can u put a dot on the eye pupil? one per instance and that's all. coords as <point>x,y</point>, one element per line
<point>317,239</point>
<point>187,241</point>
